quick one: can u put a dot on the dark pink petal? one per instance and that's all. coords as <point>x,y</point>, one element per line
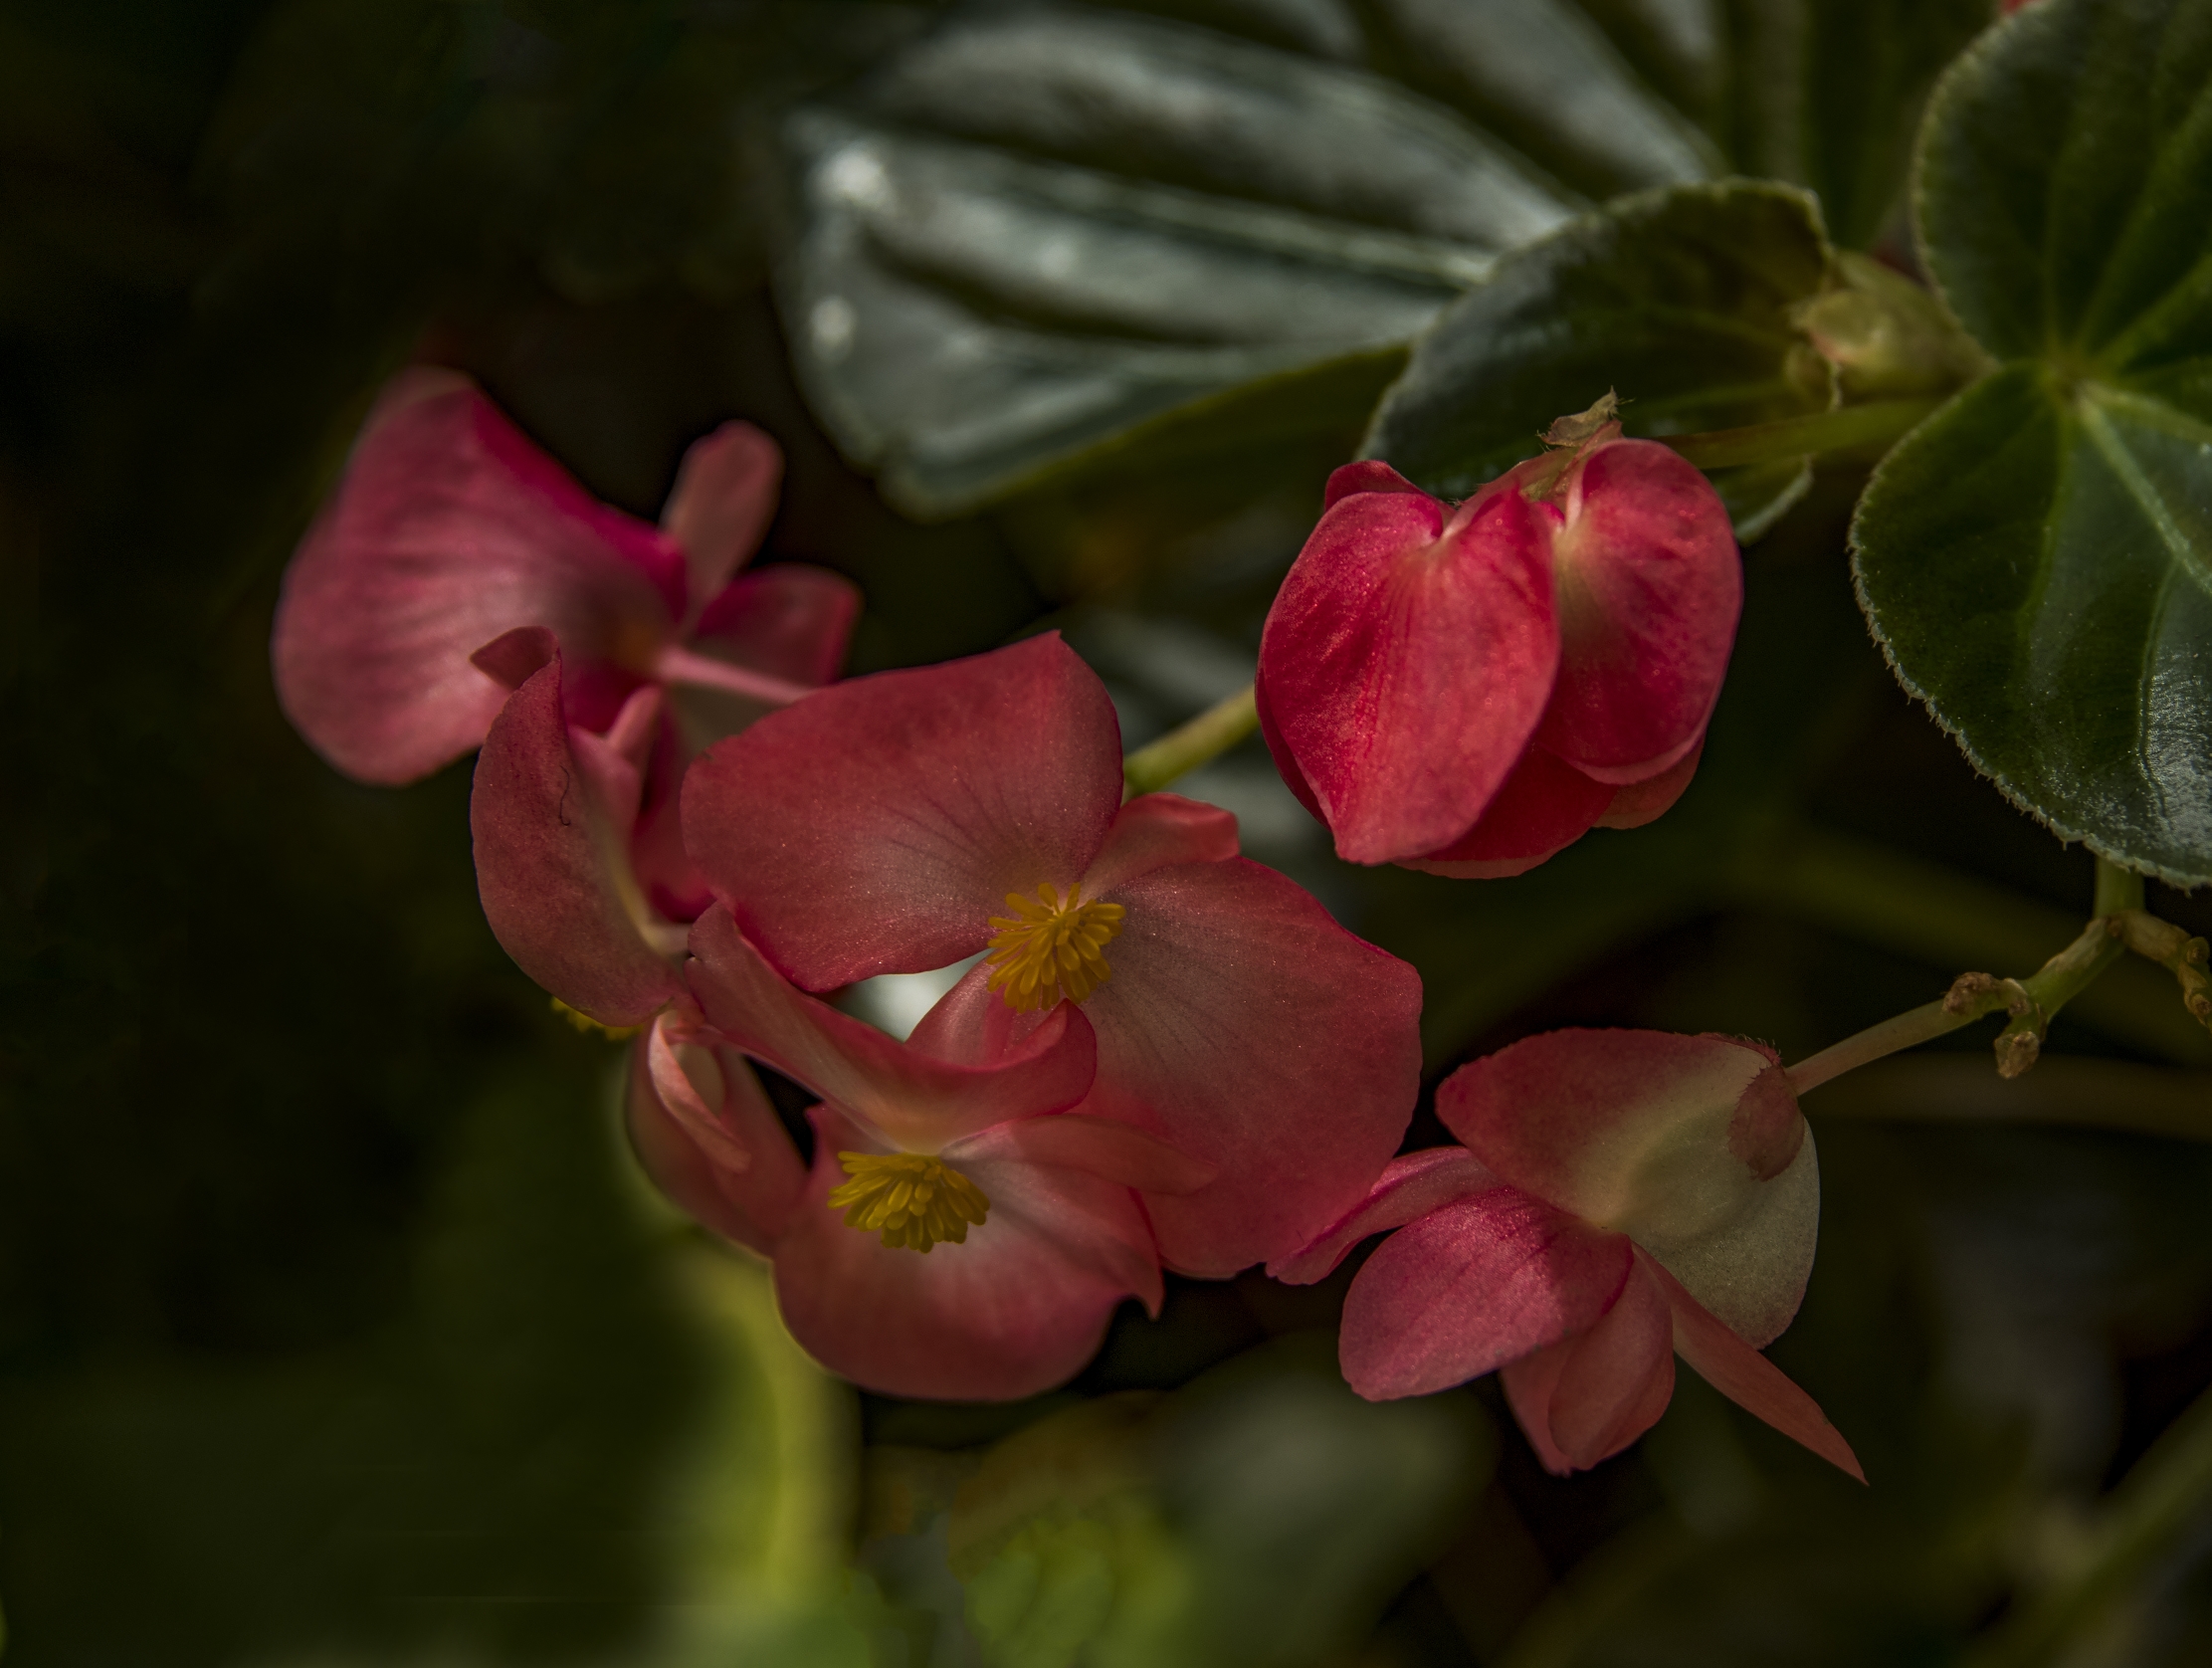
<point>1368,474</point>
<point>672,881</point>
<point>720,506</point>
<point>1691,1146</point>
<point>1017,1308</point>
<point>1478,1283</point>
<point>788,620</point>
<point>550,813</point>
<point>1650,800</point>
<point>1245,1027</point>
<point>707,1137</point>
<point>448,530</point>
<point>914,1099</point>
<point>1411,1185</point>
<point>1293,777</point>
<point>1154,831</point>
<point>1407,660</point>
<point>1649,586</point>
<point>1588,1396</point>
<point>877,826</point>
<point>1544,805</point>
<point>1747,1378</point>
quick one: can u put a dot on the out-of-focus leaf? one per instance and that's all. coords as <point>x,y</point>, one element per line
<point>1042,226</point>
<point>1680,300</point>
<point>2037,558</point>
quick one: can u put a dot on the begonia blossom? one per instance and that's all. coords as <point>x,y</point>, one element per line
<point>962,1232</point>
<point>1618,1198</point>
<point>449,529</point>
<point>1468,690</point>
<point>901,822</point>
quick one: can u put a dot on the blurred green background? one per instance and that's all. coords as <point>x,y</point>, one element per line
<point>336,1326</point>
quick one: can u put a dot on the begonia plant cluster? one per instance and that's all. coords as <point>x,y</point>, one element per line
<point>1160,1055</point>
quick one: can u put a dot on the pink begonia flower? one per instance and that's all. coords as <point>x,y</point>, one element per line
<point>962,1234</point>
<point>1467,690</point>
<point>901,822</point>
<point>1618,1197</point>
<point>451,530</point>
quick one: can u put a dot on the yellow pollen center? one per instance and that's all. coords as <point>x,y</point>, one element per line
<point>1052,945</point>
<point>911,1200</point>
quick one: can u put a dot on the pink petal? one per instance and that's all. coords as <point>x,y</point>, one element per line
<point>550,813</point>
<point>1588,1396</point>
<point>1692,1145</point>
<point>1248,1030</point>
<point>916,1099</point>
<point>1650,589</point>
<point>672,881</point>
<point>1747,1378</point>
<point>1407,660</point>
<point>875,827</point>
<point>707,1137</point>
<point>1478,1283</point>
<point>791,621</point>
<point>1286,766</point>
<point>720,506</point>
<point>1650,800</point>
<point>1154,831</point>
<point>1544,806</point>
<point>1017,1308</point>
<point>1368,475</point>
<point>1100,1146</point>
<point>448,530</point>
<point>1410,1185</point>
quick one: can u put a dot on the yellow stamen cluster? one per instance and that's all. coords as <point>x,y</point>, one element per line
<point>1052,945</point>
<point>911,1200</point>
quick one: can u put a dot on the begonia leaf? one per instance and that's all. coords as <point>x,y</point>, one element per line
<point>1047,233</point>
<point>1678,299</point>
<point>2037,558</point>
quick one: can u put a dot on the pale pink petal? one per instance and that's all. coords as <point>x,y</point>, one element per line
<point>788,620</point>
<point>1478,1283</point>
<point>1647,801</point>
<point>1410,1185</point>
<point>1543,807</point>
<point>448,530</point>
<point>1017,1308</point>
<point>1100,1146</point>
<point>1692,1145</point>
<point>1407,660</point>
<point>551,815</point>
<point>707,1137</point>
<point>1155,830</point>
<point>1588,1396</point>
<point>916,1099</point>
<point>1245,1027</point>
<point>877,826</point>
<point>1649,586</point>
<point>724,496</point>
<point>1747,1378</point>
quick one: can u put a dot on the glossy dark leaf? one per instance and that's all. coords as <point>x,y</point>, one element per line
<point>1041,227</point>
<point>2037,558</point>
<point>1680,300</point>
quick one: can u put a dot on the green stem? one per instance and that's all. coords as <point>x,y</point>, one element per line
<point>1876,423</point>
<point>2153,1507</point>
<point>1904,1030</point>
<point>1207,737</point>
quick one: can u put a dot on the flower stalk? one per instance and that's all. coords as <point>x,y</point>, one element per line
<point>1877,423</point>
<point>1185,748</point>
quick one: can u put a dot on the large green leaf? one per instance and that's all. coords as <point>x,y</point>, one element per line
<point>2037,558</point>
<point>1041,228</point>
<point>1678,300</point>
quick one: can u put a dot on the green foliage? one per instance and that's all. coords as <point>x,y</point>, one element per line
<point>1257,1519</point>
<point>1039,228</point>
<point>1682,301</point>
<point>2037,558</point>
